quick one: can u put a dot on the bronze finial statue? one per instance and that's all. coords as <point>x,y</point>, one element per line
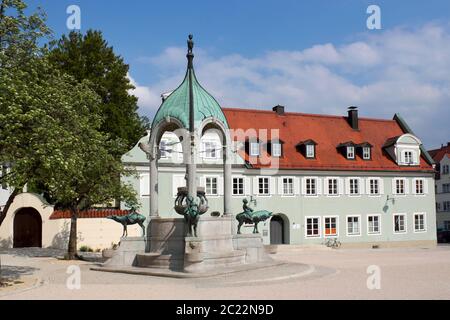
<point>190,44</point>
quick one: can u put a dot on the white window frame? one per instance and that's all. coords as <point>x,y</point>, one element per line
<point>276,151</point>
<point>206,177</point>
<point>415,182</point>
<point>369,185</point>
<point>319,228</point>
<point>327,187</point>
<point>414,157</point>
<point>243,186</point>
<point>405,223</point>
<point>283,189</point>
<point>351,152</point>
<point>310,151</point>
<point>254,146</point>
<point>315,194</point>
<point>337,227</point>
<point>211,153</point>
<point>424,222</point>
<point>405,187</point>
<point>350,187</point>
<point>268,187</point>
<point>379,225</point>
<point>366,153</point>
<point>359,222</point>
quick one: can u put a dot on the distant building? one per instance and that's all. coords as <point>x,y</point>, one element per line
<point>442,158</point>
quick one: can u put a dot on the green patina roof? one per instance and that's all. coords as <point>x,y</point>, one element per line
<point>177,104</point>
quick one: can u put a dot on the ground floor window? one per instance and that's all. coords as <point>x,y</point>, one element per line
<point>353,226</point>
<point>312,227</point>
<point>399,223</point>
<point>330,226</point>
<point>419,222</point>
<point>373,224</point>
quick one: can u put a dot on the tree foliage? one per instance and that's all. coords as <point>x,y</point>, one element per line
<point>90,58</point>
<point>50,128</point>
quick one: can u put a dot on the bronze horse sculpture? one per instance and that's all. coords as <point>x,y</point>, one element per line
<point>251,217</point>
<point>131,219</point>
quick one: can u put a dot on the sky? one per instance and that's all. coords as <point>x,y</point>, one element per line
<point>310,56</point>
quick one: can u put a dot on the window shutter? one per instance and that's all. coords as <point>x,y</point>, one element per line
<point>220,186</point>
<point>203,181</point>
<point>325,186</point>
<point>319,186</point>
<point>280,185</point>
<point>361,186</point>
<point>297,186</point>
<point>341,186</point>
<point>381,185</point>
<point>255,185</point>
<point>179,152</point>
<point>272,186</point>
<point>394,190</point>
<point>303,186</point>
<point>425,186</point>
<point>202,150</point>
<point>144,187</point>
<point>368,185</point>
<point>247,186</point>
<point>407,190</point>
<point>347,186</point>
<point>218,147</point>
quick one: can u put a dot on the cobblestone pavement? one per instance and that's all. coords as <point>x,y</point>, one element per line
<point>411,273</point>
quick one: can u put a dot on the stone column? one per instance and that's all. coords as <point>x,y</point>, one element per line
<point>154,213</point>
<point>191,167</point>
<point>227,188</point>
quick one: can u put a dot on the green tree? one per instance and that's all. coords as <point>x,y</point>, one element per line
<point>19,35</point>
<point>90,58</point>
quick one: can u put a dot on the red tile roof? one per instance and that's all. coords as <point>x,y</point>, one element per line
<point>93,213</point>
<point>328,132</point>
<point>438,154</point>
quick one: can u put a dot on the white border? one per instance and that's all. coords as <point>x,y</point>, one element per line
<point>319,227</point>
<point>406,223</point>
<point>360,225</point>
<point>424,222</point>
<point>337,227</point>
<point>380,217</point>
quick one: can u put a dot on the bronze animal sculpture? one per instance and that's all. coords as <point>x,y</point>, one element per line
<point>131,219</point>
<point>251,217</point>
<point>191,210</point>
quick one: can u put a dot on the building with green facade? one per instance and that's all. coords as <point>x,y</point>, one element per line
<point>366,182</point>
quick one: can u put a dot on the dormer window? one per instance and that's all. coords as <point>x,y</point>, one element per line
<point>276,149</point>
<point>254,149</point>
<point>310,151</point>
<point>307,148</point>
<point>350,152</point>
<point>366,153</point>
<point>405,149</point>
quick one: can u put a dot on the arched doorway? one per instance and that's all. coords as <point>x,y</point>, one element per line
<point>27,228</point>
<point>277,230</point>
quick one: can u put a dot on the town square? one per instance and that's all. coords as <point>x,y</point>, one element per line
<point>197,163</point>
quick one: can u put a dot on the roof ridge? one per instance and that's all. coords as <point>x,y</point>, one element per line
<point>304,114</point>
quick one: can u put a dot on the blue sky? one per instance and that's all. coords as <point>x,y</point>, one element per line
<point>312,56</point>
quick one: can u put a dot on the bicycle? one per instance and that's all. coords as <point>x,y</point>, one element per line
<point>333,243</point>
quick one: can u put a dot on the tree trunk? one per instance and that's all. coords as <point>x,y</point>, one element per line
<point>72,250</point>
<point>8,205</point>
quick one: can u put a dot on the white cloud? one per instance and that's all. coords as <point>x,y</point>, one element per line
<point>399,70</point>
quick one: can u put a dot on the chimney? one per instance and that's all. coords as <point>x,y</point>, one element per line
<point>279,110</point>
<point>353,117</point>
